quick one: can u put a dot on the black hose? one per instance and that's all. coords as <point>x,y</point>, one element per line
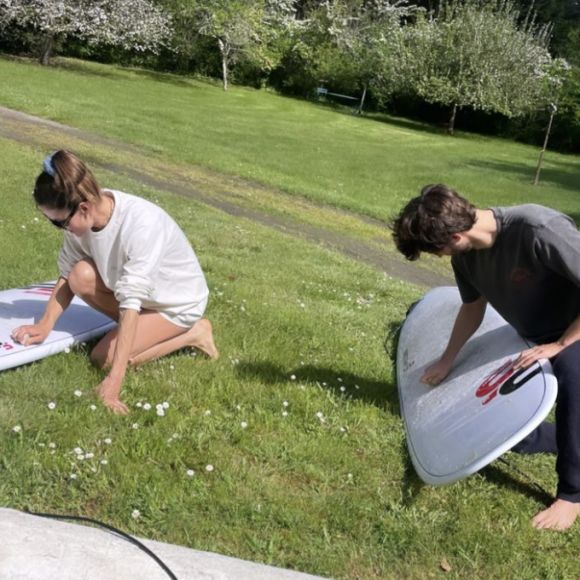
<point>123,535</point>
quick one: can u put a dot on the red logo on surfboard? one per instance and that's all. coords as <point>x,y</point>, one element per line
<point>505,380</point>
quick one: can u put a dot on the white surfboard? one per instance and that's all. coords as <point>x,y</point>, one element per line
<point>21,306</point>
<point>483,408</point>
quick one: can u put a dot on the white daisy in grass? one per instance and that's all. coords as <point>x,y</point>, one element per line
<point>104,462</point>
<point>89,455</point>
<point>52,445</point>
<point>78,393</point>
<point>146,406</point>
<point>135,426</point>
<point>209,467</point>
<point>73,475</point>
<point>319,415</point>
<point>160,410</point>
<point>93,407</point>
<point>135,514</point>
<point>51,405</point>
<point>239,407</point>
<point>165,405</point>
<point>108,441</point>
<point>243,424</point>
<point>292,377</point>
<point>208,412</point>
<point>285,403</point>
<point>67,350</point>
<point>342,389</point>
<point>284,413</point>
<point>78,450</point>
<point>17,428</point>
<point>139,405</point>
<point>190,473</point>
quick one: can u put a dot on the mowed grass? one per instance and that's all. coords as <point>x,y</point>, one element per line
<point>333,495</point>
<point>371,164</point>
<point>317,480</point>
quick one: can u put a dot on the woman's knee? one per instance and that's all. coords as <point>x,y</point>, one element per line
<point>102,355</point>
<point>83,278</point>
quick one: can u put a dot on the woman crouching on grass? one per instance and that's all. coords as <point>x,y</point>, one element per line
<point>128,259</point>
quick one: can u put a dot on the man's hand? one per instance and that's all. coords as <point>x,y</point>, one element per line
<point>530,356</point>
<point>30,334</point>
<point>436,372</point>
<point>108,390</point>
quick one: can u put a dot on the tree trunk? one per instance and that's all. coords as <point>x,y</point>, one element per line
<point>539,168</point>
<point>451,125</point>
<point>46,46</point>
<point>224,53</point>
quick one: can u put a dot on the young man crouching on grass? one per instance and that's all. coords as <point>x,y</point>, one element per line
<point>525,261</point>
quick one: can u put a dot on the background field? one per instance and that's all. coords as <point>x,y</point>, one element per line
<point>367,164</point>
<point>333,495</point>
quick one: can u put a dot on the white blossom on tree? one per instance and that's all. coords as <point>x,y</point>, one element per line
<point>132,24</point>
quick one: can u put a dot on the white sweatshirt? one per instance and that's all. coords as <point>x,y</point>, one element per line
<point>144,258</point>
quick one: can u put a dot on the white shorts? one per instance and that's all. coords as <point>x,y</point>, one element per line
<point>188,318</point>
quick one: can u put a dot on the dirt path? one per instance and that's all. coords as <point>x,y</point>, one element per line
<point>223,192</point>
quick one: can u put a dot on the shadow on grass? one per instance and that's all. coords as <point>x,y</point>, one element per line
<point>383,394</point>
<point>501,477</point>
<point>566,176</point>
<point>119,73</point>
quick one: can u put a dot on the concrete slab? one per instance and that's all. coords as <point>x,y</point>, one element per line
<point>35,548</point>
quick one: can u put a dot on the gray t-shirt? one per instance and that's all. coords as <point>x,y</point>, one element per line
<point>531,274</point>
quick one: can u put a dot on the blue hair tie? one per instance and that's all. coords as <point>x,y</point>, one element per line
<point>48,166</point>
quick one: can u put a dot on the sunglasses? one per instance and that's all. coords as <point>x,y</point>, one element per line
<point>62,224</point>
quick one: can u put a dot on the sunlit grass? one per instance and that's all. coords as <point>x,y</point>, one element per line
<point>369,164</point>
<point>322,484</point>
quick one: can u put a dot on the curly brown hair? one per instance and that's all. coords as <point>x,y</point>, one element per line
<point>428,221</point>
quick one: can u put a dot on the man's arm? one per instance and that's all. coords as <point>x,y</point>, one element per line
<point>550,350</point>
<point>469,319</point>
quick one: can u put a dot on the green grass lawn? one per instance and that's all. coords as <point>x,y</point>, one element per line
<point>301,332</point>
<point>370,164</point>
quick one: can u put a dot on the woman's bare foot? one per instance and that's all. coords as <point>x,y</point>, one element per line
<point>200,336</point>
<point>559,516</point>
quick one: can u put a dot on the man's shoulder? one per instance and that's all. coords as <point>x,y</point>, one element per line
<point>528,215</point>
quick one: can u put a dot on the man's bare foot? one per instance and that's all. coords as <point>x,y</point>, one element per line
<point>200,336</point>
<point>559,516</point>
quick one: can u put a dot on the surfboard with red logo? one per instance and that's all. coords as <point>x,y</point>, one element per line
<point>21,306</point>
<point>483,408</point>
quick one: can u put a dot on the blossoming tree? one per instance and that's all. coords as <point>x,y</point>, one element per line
<point>132,24</point>
<point>241,26</point>
<point>479,54</point>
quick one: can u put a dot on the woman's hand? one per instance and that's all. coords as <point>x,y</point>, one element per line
<point>531,355</point>
<point>436,372</point>
<point>108,391</point>
<point>30,334</point>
